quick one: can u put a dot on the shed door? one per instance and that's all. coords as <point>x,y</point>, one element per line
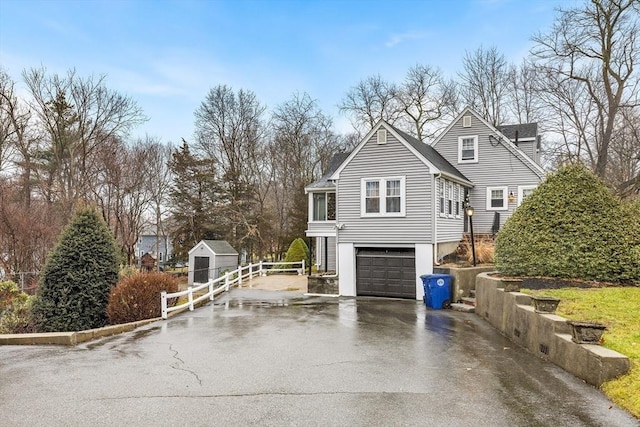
<point>201,269</point>
<point>386,273</point>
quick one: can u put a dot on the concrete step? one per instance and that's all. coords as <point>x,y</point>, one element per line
<point>466,308</point>
<point>469,301</point>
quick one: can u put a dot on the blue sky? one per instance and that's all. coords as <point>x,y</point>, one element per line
<point>168,54</point>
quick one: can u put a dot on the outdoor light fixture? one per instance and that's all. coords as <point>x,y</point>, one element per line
<point>512,198</point>
<point>469,211</point>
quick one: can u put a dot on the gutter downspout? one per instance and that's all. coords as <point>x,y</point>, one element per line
<point>435,217</point>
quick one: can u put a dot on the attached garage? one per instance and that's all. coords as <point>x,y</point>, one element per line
<point>386,272</point>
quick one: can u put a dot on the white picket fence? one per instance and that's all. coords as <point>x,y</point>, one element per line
<point>223,283</point>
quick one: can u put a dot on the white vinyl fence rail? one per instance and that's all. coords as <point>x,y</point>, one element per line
<point>223,283</point>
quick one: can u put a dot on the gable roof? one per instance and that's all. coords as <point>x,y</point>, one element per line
<point>324,182</point>
<point>218,247</point>
<point>431,154</point>
<point>524,131</point>
<point>424,152</point>
<point>506,142</point>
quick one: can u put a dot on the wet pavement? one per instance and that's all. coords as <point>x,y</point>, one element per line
<point>277,358</point>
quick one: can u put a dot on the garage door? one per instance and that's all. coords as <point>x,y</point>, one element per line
<point>386,273</point>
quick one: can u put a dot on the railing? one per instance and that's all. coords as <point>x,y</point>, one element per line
<point>222,284</point>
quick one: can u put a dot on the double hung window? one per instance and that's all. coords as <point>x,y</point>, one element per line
<point>383,196</point>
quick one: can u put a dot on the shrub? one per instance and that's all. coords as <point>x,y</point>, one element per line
<point>73,291</point>
<point>137,297</point>
<point>485,249</point>
<point>298,250</point>
<point>571,226</point>
<point>15,309</point>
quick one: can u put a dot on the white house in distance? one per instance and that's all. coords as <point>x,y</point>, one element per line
<point>209,258</point>
<point>385,213</point>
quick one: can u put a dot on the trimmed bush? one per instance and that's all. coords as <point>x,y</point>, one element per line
<point>137,297</point>
<point>15,309</point>
<point>298,250</point>
<point>80,271</point>
<point>571,226</point>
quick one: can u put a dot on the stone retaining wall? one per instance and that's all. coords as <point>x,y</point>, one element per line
<point>545,335</point>
<point>317,284</point>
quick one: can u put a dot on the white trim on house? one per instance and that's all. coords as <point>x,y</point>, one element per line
<point>382,197</point>
<point>461,140</point>
<point>521,190</point>
<point>346,269</point>
<point>505,198</point>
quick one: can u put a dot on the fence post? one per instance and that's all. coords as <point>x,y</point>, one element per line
<point>226,281</point>
<point>240,276</point>
<point>163,304</point>
<point>250,271</point>
<point>260,270</point>
<point>190,295</point>
<point>303,271</point>
<point>211,290</point>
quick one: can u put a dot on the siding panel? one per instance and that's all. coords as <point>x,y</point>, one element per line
<point>379,161</point>
<point>496,167</point>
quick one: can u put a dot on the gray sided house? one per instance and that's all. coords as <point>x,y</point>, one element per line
<point>160,248</point>
<point>399,203</point>
<point>209,259</point>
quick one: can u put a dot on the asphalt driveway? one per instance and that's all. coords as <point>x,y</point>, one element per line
<point>276,358</point>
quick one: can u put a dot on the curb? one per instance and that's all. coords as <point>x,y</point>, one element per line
<point>72,338</point>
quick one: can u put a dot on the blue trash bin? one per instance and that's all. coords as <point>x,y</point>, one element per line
<point>437,290</point>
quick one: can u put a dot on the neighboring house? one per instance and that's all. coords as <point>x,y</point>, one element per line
<point>160,248</point>
<point>399,203</point>
<point>209,258</point>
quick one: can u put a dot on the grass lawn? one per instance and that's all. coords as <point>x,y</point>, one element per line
<point>619,310</point>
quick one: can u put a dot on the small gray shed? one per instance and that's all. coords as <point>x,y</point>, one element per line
<point>210,258</point>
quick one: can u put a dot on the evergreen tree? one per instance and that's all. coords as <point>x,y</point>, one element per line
<point>80,271</point>
<point>195,201</point>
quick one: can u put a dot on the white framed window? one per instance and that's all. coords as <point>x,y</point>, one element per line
<point>383,196</point>
<point>468,149</point>
<point>497,198</point>
<point>525,191</point>
<point>458,201</point>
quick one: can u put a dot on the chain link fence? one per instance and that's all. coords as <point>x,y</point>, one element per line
<point>27,281</point>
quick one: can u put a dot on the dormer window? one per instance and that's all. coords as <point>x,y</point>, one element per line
<point>468,149</point>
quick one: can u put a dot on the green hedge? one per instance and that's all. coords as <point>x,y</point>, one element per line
<point>572,226</point>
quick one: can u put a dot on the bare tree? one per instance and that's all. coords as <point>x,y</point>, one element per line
<point>230,130</point>
<point>77,115</point>
<point>425,99</point>
<point>595,48</point>
<point>371,100</point>
<point>524,103</point>
<point>159,185</point>
<point>484,83</point>
<point>303,145</point>
<point>624,163</point>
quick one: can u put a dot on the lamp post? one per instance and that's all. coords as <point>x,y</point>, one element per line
<point>469,211</point>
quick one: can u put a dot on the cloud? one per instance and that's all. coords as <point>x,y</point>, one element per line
<point>403,37</point>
